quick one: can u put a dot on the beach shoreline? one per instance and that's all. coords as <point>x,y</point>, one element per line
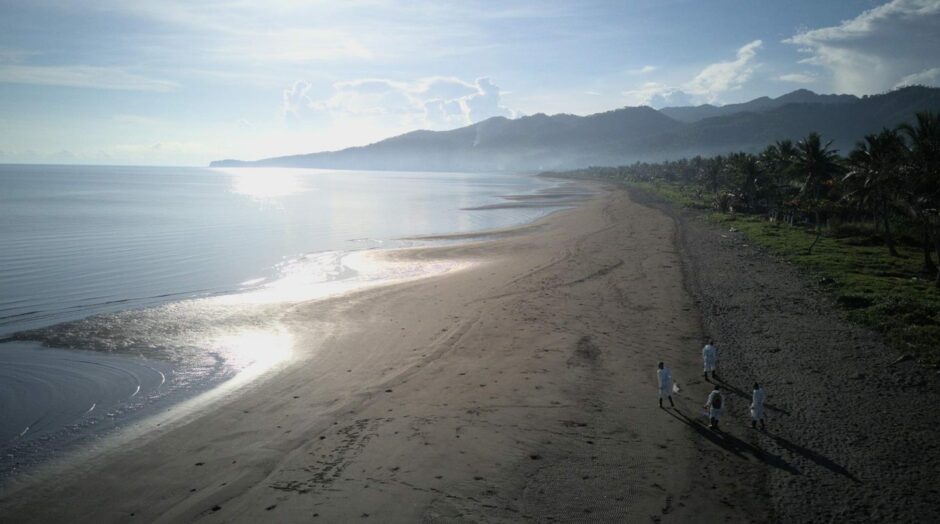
<point>62,401</point>
<point>519,387</point>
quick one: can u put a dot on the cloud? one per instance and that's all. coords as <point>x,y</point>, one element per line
<point>432,102</point>
<point>798,78</point>
<point>927,77</point>
<point>658,95</point>
<point>877,49</point>
<point>707,86</point>
<point>485,102</point>
<point>294,100</point>
<point>643,70</point>
<point>137,120</point>
<point>81,76</point>
<point>726,76</point>
<point>369,97</point>
<point>444,88</point>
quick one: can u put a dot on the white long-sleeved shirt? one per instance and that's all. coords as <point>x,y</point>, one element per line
<point>709,353</point>
<point>757,398</point>
<point>711,399</point>
<point>665,378</point>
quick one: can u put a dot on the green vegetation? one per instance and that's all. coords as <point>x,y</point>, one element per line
<point>876,289</point>
<point>864,226</point>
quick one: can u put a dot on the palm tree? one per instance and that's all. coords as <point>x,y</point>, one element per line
<point>875,179</point>
<point>818,166</point>
<point>778,157</point>
<point>711,173</point>
<point>747,177</point>
<point>777,161</point>
<point>925,167</point>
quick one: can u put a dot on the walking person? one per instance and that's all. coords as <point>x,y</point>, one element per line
<point>714,405</point>
<point>710,358</point>
<point>665,384</point>
<point>757,406</point>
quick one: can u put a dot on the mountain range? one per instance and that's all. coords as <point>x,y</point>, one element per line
<point>626,135</point>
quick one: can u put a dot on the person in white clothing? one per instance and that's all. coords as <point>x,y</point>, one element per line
<point>665,384</point>
<point>757,406</point>
<point>710,358</point>
<point>714,404</point>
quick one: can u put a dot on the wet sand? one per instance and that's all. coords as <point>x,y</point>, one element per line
<point>522,387</point>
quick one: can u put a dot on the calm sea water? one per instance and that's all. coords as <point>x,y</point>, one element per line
<point>80,240</point>
<point>156,283</point>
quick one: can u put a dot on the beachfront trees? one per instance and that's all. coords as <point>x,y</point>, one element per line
<point>819,166</point>
<point>747,178</point>
<point>711,174</point>
<point>777,161</point>
<point>924,164</point>
<point>890,180</point>
<point>874,179</point>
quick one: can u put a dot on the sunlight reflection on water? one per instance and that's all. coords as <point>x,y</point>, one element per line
<point>268,184</point>
<point>322,275</point>
<point>255,351</point>
<point>224,334</point>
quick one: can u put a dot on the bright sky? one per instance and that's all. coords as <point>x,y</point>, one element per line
<point>185,82</point>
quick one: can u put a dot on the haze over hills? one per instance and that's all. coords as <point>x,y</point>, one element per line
<point>758,105</point>
<point>626,135</point>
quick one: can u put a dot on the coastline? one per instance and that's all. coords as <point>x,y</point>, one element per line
<point>521,386</point>
<point>186,377</point>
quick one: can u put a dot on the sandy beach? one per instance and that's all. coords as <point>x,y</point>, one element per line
<point>520,388</point>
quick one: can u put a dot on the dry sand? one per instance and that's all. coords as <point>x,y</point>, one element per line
<point>521,388</point>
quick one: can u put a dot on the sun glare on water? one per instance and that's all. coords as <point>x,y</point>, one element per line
<point>256,350</point>
<point>267,184</point>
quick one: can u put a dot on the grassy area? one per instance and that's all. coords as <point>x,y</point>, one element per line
<point>875,289</point>
<point>678,194</point>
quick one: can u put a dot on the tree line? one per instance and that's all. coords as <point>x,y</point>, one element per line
<point>891,177</point>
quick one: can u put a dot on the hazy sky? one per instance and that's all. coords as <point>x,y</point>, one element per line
<point>185,82</point>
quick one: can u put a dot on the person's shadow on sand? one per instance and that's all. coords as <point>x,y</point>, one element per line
<point>812,456</point>
<point>747,396</point>
<point>733,444</point>
<point>791,446</point>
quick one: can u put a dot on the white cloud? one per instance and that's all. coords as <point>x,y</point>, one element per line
<point>444,88</point>
<point>137,120</point>
<point>927,77</point>
<point>658,95</point>
<point>643,70</point>
<point>798,78</point>
<point>433,102</point>
<point>81,76</point>
<point>294,100</point>
<point>877,49</point>
<point>726,76</point>
<point>485,102</point>
<point>707,86</point>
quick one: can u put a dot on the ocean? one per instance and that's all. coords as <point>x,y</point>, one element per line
<point>124,290</point>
